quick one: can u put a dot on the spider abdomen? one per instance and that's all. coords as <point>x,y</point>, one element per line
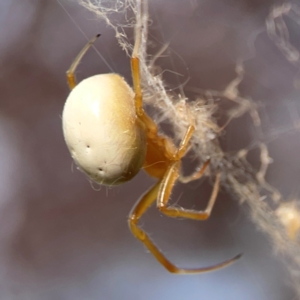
<point>102,131</point>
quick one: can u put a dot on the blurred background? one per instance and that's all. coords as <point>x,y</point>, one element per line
<point>64,238</point>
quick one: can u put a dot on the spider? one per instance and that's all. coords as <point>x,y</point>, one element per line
<point>110,138</point>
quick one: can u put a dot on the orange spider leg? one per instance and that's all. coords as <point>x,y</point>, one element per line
<point>183,146</point>
<point>163,188</point>
<point>138,98</point>
<point>196,175</point>
<point>140,208</point>
<point>135,68</point>
<point>71,72</point>
<point>150,124</point>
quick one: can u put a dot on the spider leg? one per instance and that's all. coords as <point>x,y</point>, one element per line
<point>163,197</point>
<point>165,190</point>
<point>138,98</point>
<point>138,210</point>
<point>136,78</point>
<point>184,144</point>
<point>196,175</point>
<point>70,73</point>
<point>170,177</point>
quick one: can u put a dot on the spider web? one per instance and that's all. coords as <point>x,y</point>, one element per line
<point>277,217</point>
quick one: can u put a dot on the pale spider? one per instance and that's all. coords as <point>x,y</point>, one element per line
<point>110,137</point>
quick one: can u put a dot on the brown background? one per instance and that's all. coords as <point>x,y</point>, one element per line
<point>62,239</point>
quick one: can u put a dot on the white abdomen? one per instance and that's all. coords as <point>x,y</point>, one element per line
<point>105,137</point>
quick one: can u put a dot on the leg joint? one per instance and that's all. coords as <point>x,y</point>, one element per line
<point>169,211</point>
